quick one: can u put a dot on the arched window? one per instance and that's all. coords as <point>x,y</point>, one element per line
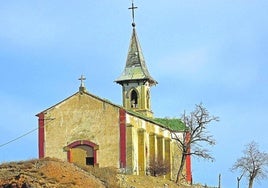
<point>134,99</point>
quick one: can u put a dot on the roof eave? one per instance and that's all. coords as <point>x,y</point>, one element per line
<point>150,80</point>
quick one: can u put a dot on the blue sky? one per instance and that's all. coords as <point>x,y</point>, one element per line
<point>214,52</point>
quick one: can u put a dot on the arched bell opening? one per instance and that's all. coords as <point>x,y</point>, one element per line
<point>134,99</point>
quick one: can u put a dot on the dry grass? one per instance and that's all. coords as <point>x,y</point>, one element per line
<point>54,173</point>
<point>45,173</point>
<point>107,175</point>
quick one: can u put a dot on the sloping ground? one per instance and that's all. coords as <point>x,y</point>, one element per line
<point>45,173</point>
<point>132,181</point>
<point>54,173</point>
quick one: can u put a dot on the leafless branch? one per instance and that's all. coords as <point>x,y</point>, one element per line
<point>254,163</point>
<point>195,134</point>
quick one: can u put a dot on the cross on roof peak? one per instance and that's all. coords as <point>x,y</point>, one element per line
<point>82,78</point>
<point>132,8</point>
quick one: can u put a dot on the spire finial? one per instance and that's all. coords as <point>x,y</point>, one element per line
<point>82,84</point>
<point>133,13</point>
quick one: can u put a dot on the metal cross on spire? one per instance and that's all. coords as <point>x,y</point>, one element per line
<point>133,13</point>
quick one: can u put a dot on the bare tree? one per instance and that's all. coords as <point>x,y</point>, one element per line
<point>195,134</point>
<point>253,164</point>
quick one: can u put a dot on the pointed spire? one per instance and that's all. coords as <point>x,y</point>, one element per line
<point>135,68</point>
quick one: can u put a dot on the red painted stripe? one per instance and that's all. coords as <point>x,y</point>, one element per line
<point>69,157</point>
<point>122,127</point>
<point>82,142</point>
<point>188,163</point>
<point>41,135</point>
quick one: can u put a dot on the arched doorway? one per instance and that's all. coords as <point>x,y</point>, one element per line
<point>82,152</point>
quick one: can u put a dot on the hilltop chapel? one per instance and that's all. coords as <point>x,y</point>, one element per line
<point>89,130</point>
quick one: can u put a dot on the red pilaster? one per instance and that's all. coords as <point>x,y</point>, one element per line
<point>122,127</point>
<point>69,156</point>
<point>41,135</point>
<point>188,162</point>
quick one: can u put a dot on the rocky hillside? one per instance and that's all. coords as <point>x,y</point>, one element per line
<point>53,173</point>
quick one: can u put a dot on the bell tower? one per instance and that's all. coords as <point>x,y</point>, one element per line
<point>136,80</point>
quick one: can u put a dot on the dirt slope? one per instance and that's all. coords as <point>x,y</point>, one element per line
<point>45,173</point>
<point>54,173</point>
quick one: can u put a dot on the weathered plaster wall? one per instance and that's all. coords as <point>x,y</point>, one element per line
<point>83,117</point>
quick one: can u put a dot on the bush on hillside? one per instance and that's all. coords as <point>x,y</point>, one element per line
<point>158,168</point>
